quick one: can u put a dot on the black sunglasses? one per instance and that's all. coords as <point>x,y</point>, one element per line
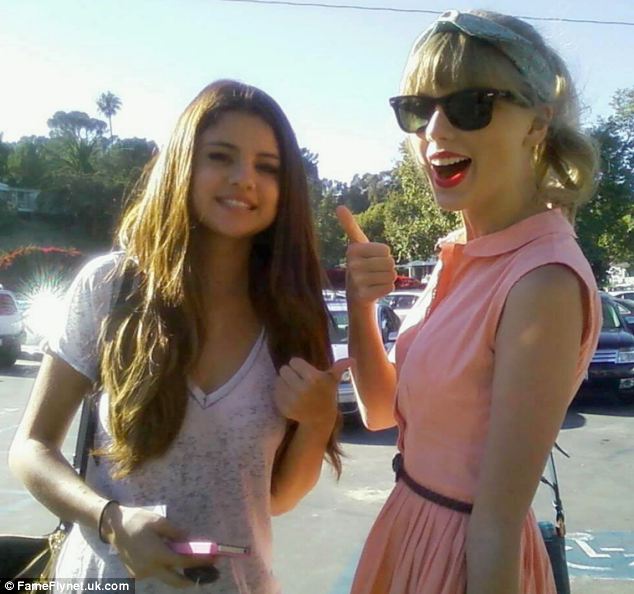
<point>469,109</point>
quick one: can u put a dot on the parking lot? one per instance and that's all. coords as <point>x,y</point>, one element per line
<point>318,543</point>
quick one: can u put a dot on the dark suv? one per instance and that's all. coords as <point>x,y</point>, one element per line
<point>612,366</point>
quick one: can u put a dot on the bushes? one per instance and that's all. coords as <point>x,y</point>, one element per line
<point>24,268</point>
<point>8,216</point>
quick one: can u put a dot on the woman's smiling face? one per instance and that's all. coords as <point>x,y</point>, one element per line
<point>235,184</point>
<point>471,168</point>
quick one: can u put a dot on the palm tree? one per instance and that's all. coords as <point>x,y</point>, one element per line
<point>108,104</point>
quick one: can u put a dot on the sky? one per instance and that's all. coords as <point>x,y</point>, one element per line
<point>331,70</point>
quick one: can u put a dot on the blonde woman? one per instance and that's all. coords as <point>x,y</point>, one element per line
<point>216,395</point>
<point>485,368</point>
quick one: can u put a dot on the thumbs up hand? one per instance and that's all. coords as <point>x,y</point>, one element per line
<point>307,395</point>
<point>370,268</point>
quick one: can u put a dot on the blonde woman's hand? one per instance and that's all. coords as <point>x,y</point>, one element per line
<point>140,538</point>
<point>370,267</point>
<point>307,395</point>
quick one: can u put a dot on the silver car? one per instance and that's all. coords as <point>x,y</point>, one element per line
<point>12,332</point>
<point>388,323</point>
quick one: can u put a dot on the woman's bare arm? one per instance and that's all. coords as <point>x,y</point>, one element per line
<point>374,376</point>
<point>370,275</point>
<point>307,396</point>
<point>536,351</point>
<point>36,459</point>
<point>35,456</point>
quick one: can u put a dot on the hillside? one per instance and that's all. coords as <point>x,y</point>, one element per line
<point>45,233</point>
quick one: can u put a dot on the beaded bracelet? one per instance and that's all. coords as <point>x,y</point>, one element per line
<point>101,516</point>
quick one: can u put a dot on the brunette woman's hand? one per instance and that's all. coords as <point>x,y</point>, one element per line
<point>370,267</point>
<point>307,395</point>
<point>140,538</point>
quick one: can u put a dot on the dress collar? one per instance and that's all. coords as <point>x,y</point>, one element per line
<point>513,237</point>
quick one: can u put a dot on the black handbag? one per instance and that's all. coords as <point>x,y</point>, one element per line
<point>554,535</point>
<point>33,558</point>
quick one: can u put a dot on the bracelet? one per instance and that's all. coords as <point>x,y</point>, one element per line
<point>101,516</point>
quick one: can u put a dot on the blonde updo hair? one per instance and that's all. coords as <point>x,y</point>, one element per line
<point>566,162</point>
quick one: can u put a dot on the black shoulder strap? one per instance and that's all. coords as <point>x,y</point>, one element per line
<point>88,419</point>
<point>84,437</point>
<point>554,485</point>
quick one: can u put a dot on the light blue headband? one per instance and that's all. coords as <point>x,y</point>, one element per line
<point>519,50</point>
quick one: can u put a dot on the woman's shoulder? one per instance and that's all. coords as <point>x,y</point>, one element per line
<point>556,248</point>
<point>96,281</point>
<point>101,267</point>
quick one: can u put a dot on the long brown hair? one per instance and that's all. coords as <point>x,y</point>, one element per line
<point>148,350</point>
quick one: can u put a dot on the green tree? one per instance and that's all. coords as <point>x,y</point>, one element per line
<point>368,189</point>
<point>372,221</point>
<point>75,140</point>
<point>108,104</point>
<point>332,244</point>
<point>605,226</point>
<point>125,160</point>
<point>5,152</point>
<point>324,195</point>
<point>8,216</point>
<point>413,222</point>
<point>91,201</point>
<point>27,165</point>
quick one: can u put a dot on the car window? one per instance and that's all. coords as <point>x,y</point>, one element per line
<point>7,305</point>
<point>394,322</point>
<point>622,309</point>
<point>338,327</point>
<point>404,301</point>
<point>610,316</point>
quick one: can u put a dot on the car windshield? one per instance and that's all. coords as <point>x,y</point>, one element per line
<point>338,327</point>
<point>626,306</point>
<point>610,316</point>
<point>402,301</point>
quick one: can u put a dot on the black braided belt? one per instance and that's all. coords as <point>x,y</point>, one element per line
<point>399,468</point>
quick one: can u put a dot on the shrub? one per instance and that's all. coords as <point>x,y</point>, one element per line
<point>8,216</point>
<point>25,268</point>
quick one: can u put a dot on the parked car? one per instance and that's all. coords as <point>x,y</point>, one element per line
<point>612,366</point>
<point>388,323</point>
<point>626,308</point>
<point>12,334</point>
<point>627,294</point>
<point>402,301</point>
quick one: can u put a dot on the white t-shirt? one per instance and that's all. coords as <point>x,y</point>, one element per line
<point>215,479</point>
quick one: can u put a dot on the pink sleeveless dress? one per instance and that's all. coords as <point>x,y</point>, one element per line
<point>445,358</point>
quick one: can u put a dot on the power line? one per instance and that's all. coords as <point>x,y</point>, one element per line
<point>419,11</point>
<point>345,6</point>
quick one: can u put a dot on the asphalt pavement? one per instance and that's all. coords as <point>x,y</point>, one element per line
<point>317,544</point>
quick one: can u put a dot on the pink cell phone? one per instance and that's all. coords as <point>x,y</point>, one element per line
<point>207,547</point>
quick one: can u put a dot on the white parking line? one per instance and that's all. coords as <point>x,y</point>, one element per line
<point>9,411</point>
<point>588,550</point>
<point>612,549</point>
<point>588,567</point>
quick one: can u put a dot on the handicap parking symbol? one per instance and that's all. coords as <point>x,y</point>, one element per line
<point>602,555</point>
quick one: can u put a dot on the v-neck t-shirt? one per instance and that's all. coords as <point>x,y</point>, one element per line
<point>215,478</point>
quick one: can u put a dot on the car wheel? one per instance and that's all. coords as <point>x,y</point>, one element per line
<point>8,357</point>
